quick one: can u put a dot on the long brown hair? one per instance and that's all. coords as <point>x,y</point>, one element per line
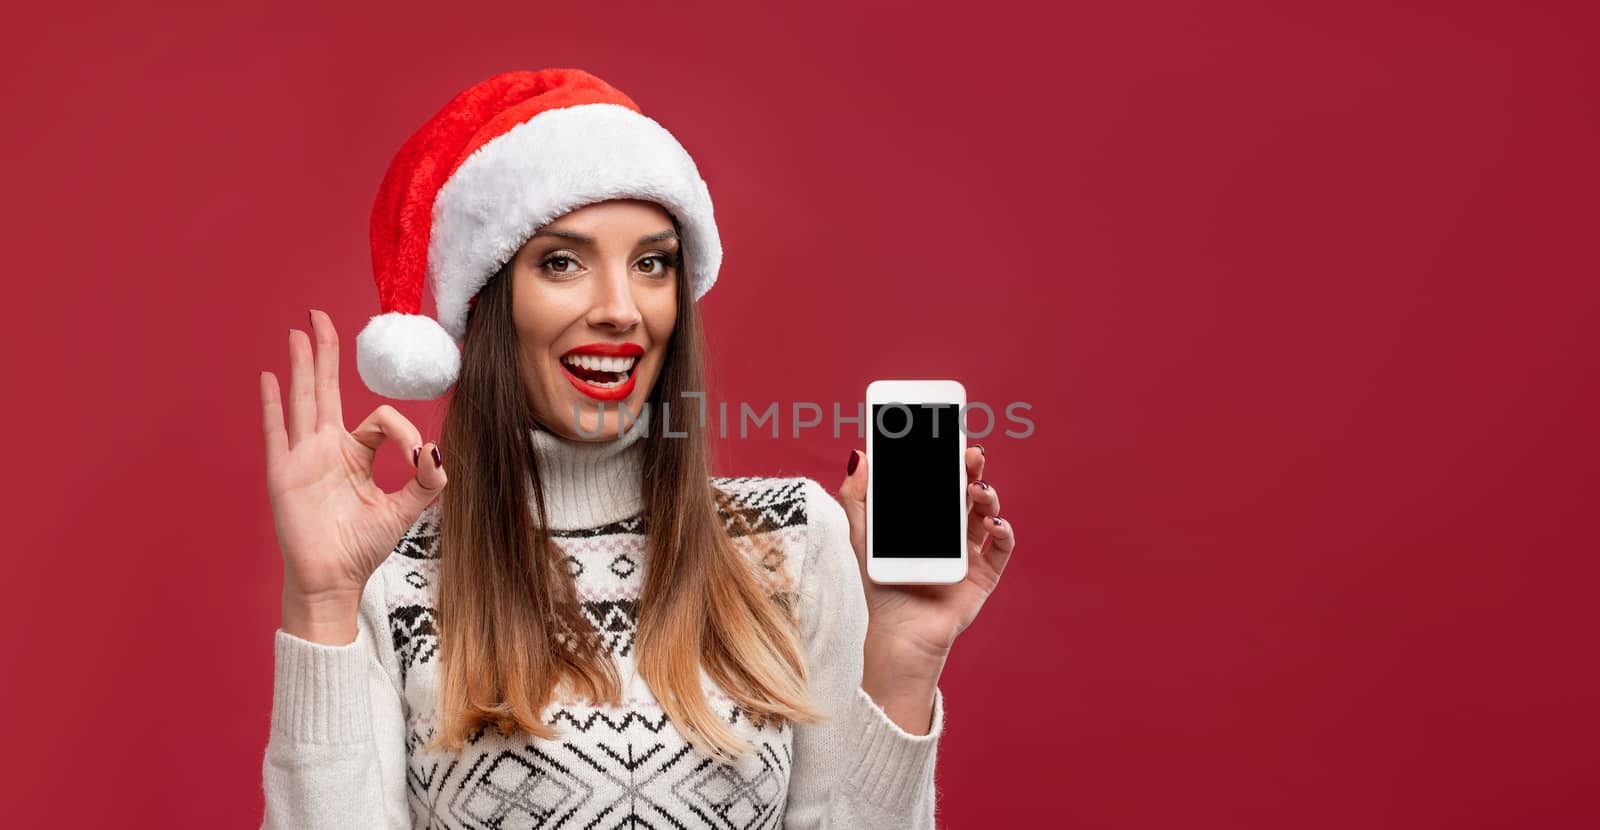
<point>512,634</point>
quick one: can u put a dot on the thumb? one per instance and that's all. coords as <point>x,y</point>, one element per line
<point>426,485</point>
<point>853,496</point>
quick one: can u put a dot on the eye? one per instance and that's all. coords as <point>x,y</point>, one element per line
<point>556,259</point>
<point>664,261</point>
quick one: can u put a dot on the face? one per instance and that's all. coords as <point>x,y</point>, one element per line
<point>594,300</point>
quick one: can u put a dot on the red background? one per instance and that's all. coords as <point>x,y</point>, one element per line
<point>1303,297</point>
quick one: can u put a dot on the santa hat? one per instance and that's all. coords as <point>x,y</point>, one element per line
<point>499,161</point>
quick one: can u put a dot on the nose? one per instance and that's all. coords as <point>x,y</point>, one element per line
<point>612,305</point>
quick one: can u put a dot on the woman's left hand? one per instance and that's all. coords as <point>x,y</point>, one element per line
<point>916,625</point>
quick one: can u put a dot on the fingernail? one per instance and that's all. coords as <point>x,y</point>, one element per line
<point>310,321</point>
<point>416,454</point>
<point>437,461</point>
<point>997,520</point>
<point>980,450</point>
<point>855,458</point>
<point>983,484</point>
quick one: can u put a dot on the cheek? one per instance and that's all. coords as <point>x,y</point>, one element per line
<point>660,319</point>
<point>538,320</point>
<point>660,316</point>
<point>533,342</point>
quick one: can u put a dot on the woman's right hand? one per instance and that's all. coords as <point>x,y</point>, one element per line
<point>335,525</point>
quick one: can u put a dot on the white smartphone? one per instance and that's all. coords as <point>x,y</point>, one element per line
<point>916,482</point>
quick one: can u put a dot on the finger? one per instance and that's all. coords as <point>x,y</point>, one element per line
<point>972,459</point>
<point>329,413</point>
<point>973,456</point>
<point>302,391</point>
<point>1002,541</point>
<point>277,439</point>
<point>425,486</point>
<point>387,424</point>
<point>985,501</point>
<point>853,495</point>
<point>985,498</point>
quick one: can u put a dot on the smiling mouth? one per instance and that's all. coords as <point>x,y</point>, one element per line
<point>601,372</point>
<point>604,378</point>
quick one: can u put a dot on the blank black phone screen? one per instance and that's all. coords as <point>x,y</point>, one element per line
<point>916,480</point>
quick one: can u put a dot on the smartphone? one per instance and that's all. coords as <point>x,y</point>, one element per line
<point>916,482</point>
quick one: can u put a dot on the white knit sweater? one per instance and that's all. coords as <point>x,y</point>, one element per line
<point>349,722</point>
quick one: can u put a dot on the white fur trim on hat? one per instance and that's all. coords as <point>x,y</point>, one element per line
<point>557,161</point>
<point>408,357</point>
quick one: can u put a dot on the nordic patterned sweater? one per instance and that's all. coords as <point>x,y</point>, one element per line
<point>348,722</point>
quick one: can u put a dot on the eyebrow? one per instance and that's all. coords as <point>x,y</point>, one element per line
<point>578,237</point>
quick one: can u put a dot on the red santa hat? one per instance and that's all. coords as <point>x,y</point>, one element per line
<point>500,160</point>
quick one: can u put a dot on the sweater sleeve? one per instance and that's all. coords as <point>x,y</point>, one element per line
<point>858,769</point>
<point>336,756</point>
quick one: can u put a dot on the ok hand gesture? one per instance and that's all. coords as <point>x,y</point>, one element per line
<point>335,525</point>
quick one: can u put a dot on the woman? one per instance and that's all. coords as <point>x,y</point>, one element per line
<point>584,628</point>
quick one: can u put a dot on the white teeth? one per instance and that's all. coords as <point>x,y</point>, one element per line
<point>601,364</point>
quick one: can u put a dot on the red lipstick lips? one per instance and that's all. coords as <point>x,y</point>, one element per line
<point>603,393</point>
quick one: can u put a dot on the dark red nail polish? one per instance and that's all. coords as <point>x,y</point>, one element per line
<point>980,450</point>
<point>997,520</point>
<point>437,461</point>
<point>983,484</point>
<point>416,455</point>
<point>855,458</point>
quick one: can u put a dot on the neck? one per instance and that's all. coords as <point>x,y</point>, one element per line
<point>589,483</point>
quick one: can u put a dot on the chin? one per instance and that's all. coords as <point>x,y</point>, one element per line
<point>589,426</point>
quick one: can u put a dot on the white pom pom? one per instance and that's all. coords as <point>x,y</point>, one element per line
<point>409,357</point>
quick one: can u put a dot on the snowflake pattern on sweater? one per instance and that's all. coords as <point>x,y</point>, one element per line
<point>616,766</point>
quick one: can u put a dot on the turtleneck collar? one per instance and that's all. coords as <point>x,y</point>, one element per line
<point>590,483</point>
